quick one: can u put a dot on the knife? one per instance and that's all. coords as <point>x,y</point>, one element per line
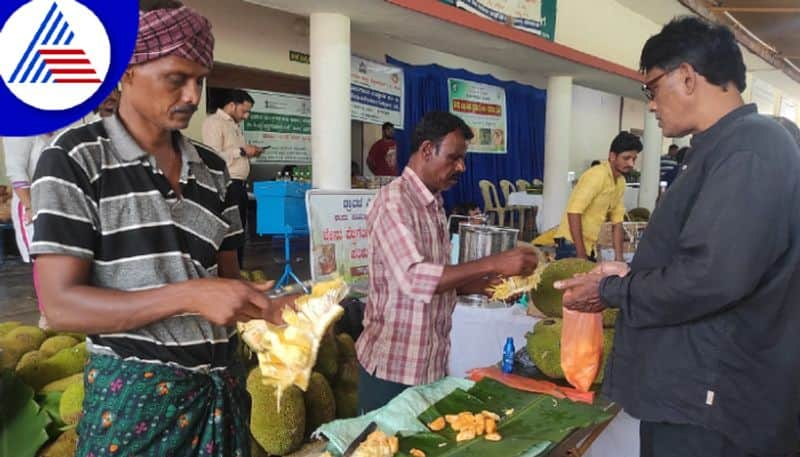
<point>359,439</point>
<point>290,289</point>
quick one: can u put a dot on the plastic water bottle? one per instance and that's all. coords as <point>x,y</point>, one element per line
<point>508,355</point>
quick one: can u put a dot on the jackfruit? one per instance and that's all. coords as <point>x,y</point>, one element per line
<point>81,337</point>
<point>245,275</point>
<point>544,347</point>
<point>346,346</point>
<point>60,385</point>
<point>516,285</point>
<point>639,215</point>
<point>328,357</point>
<point>57,343</point>
<point>28,336</point>
<point>70,407</point>
<point>29,358</point>
<point>348,373</point>
<point>346,402</point>
<point>545,297</point>
<point>281,432</point>
<point>6,327</point>
<point>63,363</point>
<point>64,446</point>
<point>610,317</point>
<point>379,444</point>
<point>258,276</point>
<point>320,404</point>
<point>286,353</point>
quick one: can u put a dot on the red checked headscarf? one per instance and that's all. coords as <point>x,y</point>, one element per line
<point>180,31</point>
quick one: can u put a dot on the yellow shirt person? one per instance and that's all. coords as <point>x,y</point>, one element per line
<point>597,198</point>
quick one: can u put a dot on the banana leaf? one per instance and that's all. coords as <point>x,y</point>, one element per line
<point>49,402</point>
<point>537,422</point>
<point>22,421</point>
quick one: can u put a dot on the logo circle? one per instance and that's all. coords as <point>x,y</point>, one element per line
<point>59,59</point>
<point>62,58</point>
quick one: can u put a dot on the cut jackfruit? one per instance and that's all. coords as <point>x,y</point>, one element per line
<point>287,353</point>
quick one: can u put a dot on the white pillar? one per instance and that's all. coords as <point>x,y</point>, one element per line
<point>330,100</point>
<point>557,131</point>
<point>651,162</point>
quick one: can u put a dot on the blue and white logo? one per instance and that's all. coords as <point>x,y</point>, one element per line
<point>60,58</point>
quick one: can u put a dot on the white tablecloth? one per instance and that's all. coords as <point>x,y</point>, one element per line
<point>478,335</point>
<point>631,197</point>
<point>526,199</point>
<point>477,340</point>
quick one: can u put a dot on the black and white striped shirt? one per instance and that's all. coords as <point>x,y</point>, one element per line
<point>98,196</point>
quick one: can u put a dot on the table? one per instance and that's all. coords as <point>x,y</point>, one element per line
<point>478,335</point>
<point>631,197</point>
<point>476,340</point>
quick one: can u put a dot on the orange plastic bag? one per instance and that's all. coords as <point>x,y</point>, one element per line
<point>581,347</point>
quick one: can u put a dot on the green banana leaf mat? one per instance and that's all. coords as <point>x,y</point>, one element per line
<point>538,422</point>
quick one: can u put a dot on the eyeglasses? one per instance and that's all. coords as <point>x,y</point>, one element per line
<point>649,90</point>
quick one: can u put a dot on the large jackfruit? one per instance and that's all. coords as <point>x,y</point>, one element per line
<point>60,385</point>
<point>57,343</point>
<point>287,353</point>
<point>548,299</point>
<point>70,407</point>
<point>64,446</point>
<point>328,357</point>
<point>64,363</point>
<point>544,348</point>
<point>346,401</point>
<point>30,358</point>
<point>6,327</point>
<point>277,431</point>
<point>348,374</point>
<point>320,403</point>
<point>346,346</point>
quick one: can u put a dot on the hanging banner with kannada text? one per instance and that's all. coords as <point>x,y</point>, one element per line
<point>282,122</point>
<point>376,92</point>
<point>483,108</point>
<point>535,16</point>
<point>337,224</point>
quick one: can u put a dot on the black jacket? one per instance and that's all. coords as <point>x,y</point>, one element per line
<point>710,311</point>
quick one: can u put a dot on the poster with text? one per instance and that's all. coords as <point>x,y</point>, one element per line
<point>535,16</point>
<point>282,122</point>
<point>376,92</point>
<point>483,108</point>
<point>337,222</point>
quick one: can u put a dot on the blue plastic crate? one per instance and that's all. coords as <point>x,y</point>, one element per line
<point>281,207</point>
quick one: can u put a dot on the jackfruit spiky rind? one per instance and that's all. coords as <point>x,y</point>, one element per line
<point>28,336</point>
<point>346,346</point>
<point>30,358</point>
<point>544,347</point>
<point>64,446</point>
<point>70,407</point>
<point>546,298</point>
<point>348,374</point>
<point>608,344</point>
<point>6,327</point>
<point>278,432</point>
<point>320,403</point>
<point>64,363</point>
<point>56,343</point>
<point>610,317</point>
<point>328,357</point>
<point>60,385</point>
<point>346,402</point>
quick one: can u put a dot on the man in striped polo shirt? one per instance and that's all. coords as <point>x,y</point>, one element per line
<point>135,235</point>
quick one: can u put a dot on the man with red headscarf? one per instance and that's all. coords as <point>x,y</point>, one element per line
<point>135,242</point>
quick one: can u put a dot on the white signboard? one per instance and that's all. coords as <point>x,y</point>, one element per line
<point>282,122</point>
<point>376,92</point>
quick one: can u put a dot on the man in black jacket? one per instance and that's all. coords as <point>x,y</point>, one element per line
<point>706,353</point>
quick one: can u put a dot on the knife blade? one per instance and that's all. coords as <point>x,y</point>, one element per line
<point>359,439</point>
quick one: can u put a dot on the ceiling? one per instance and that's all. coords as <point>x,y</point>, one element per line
<point>384,18</point>
<point>775,22</point>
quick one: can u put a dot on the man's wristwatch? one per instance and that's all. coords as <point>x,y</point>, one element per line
<point>242,152</point>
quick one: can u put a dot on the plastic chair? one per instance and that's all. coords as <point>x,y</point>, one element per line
<point>508,187</point>
<point>522,185</point>
<point>491,202</point>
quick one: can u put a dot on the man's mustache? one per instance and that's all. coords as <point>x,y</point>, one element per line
<point>187,109</point>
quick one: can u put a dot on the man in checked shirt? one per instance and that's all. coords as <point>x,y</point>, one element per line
<point>412,290</point>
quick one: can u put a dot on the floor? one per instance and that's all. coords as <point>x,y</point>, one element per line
<point>18,300</point>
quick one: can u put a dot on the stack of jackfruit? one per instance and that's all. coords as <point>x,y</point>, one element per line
<point>544,343</point>
<point>305,377</point>
<point>51,364</point>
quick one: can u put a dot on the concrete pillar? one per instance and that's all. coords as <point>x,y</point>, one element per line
<point>651,162</point>
<point>558,122</point>
<point>330,101</point>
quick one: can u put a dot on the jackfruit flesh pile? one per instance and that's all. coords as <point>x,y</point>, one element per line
<point>516,285</point>
<point>378,444</point>
<point>287,353</point>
